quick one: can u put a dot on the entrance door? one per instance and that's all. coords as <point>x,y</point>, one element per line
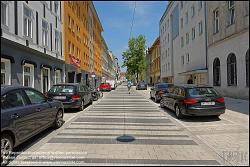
<point>71,76</point>
<point>45,80</point>
<point>78,78</point>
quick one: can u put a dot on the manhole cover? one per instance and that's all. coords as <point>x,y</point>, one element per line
<point>125,138</point>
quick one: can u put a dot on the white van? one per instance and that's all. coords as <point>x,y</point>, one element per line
<point>112,83</point>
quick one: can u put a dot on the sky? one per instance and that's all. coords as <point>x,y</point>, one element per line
<point>116,18</point>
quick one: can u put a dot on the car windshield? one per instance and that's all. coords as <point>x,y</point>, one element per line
<point>62,89</point>
<point>202,92</point>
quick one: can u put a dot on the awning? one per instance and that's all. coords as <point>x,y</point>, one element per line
<point>197,71</point>
<point>12,60</point>
<point>23,62</point>
<point>46,66</point>
<point>55,69</point>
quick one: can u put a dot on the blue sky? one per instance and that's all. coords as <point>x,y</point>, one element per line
<point>116,18</point>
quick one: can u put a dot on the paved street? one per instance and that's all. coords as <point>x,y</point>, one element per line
<point>127,129</point>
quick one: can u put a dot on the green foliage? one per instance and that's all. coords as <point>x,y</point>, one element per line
<point>134,57</point>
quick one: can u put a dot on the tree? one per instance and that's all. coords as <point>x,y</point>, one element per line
<point>134,57</point>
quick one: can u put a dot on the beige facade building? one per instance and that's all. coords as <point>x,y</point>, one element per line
<point>228,47</point>
<point>154,54</point>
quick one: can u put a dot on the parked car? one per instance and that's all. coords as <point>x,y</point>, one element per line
<point>112,84</point>
<point>141,86</point>
<point>105,87</point>
<point>158,90</point>
<point>72,95</point>
<point>25,112</point>
<point>193,100</point>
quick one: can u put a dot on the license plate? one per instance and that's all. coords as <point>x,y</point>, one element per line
<point>207,103</point>
<point>60,97</point>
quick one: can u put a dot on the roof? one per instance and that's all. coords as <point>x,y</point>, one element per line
<point>70,84</point>
<point>166,11</point>
<point>6,88</point>
<point>191,85</point>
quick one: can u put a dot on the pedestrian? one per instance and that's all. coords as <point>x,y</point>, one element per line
<point>129,86</point>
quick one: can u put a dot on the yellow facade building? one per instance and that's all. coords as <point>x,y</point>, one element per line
<point>82,42</point>
<point>155,69</point>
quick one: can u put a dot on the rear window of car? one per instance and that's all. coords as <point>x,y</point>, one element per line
<point>62,89</point>
<point>163,86</point>
<point>202,92</point>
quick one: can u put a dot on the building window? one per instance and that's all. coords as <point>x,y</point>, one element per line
<point>4,13</point>
<point>57,41</point>
<point>181,23</point>
<point>246,5</point>
<point>182,42</point>
<point>192,11</point>
<point>181,4</point>
<point>167,23</point>
<point>193,33</point>
<point>69,23</point>
<point>56,7</point>
<point>186,18</point>
<point>57,76</point>
<point>187,38</point>
<point>231,70</point>
<point>231,12</point>
<point>216,21</point>
<point>45,33</point>
<point>216,72</point>
<point>27,14</point>
<point>247,68</point>
<point>168,66</point>
<point>200,4</point>
<point>5,72</point>
<point>200,28</point>
<point>28,75</point>
<point>187,58</point>
<point>182,60</point>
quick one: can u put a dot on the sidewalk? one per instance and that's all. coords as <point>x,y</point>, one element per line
<point>237,105</point>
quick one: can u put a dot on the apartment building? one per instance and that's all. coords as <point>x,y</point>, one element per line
<point>183,43</point>
<point>228,47</point>
<point>31,44</point>
<point>105,61</point>
<point>76,40</point>
<point>154,53</point>
<point>95,30</point>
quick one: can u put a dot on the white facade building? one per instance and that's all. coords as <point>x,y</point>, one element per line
<point>31,44</point>
<point>183,43</point>
<point>228,47</point>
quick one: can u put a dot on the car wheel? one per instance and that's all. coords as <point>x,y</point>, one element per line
<point>6,149</point>
<point>59,119</point>
<point>178,113</point>
<point>161,104</point>
<point>91,102</point>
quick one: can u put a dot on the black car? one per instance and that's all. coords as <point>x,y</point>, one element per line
<point>158,90</point>
<point>72,95</point>
<point>141,86</point>
<point>193,100</point>
<point>25,112</point>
